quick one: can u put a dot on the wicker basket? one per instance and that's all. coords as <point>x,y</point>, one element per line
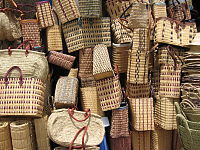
<point>159,10</point>
<point>5,140</point>
<point>88,82</point>
<point>121,143</point>
<point>90,100</point>
<point>86,32</point>
<point>138,90</point>
<point>142,116</point>
<point>54,44</point>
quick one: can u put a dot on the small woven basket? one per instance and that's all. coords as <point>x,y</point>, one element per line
<point>138,90</point>
<point>5,139</point>
<point>159,10</point>
<point>121,143</point>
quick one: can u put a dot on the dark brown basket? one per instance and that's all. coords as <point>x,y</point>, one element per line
<point>122,143</point>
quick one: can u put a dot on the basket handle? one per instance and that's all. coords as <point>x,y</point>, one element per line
<point>10,70</point>
<point>26,42</point>
<point>12,2</point>
<point>11,9</point>
<point>179,110</point>
<point>187,103</point>
<point>87,114</point>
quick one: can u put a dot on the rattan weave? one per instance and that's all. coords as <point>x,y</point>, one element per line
<point>138,90</point>
<point>159,10</point>
<point>5,138</point>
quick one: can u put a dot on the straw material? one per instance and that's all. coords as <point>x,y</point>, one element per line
<point>87,148</point>
<point>54,44</point>
<point>121,143</point>
<point>43,142</point>
<point>109,93</point>
<point>60,59</point>
<point>101,63</point>
<point>86,33</point>
<point>141,140</point>
<point>120,56</point>
<point>73,73</point>
<point>31,31</point>
<point>45,14</point>
<point>159,10</point>
<point>66,10</point>
<point>88,82</point>
<point>170,31</point>
<point>66,92</point>
<point>5,139</point>
<point>62,128</point>
<point>90,100</point>
<point>138,90</point>
<point>142,115</point>
<point>21,135</point>
<point>85,62</point>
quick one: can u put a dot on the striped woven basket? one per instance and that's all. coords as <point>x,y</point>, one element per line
<point>138,90</point>
<point>5,140</point>
<point>159,10</point>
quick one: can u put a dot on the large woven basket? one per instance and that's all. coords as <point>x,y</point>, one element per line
<point>86,33</point>
<point>142,116</point>
<point>121,143</point>
<point>5,140</point>
<point>138,90</point>
<point>159,10</point>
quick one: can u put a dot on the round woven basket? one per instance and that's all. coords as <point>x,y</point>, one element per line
<point>5,138</point>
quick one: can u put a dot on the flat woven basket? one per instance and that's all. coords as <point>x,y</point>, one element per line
<point>54,44</point>
<point>138,90</point>
<point>142,115</point>
<point>88,82</point>
<point>90,100</point>
<point>159,10</point>
<point>5,140</point>
<point>87,32</point>
<point>121,143</point>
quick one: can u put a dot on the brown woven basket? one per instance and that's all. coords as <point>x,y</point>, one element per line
<point>159,10</point>
<point>88,82</point>
<point>138,90</point>
<point>5,139</point>
<point>121,143</point>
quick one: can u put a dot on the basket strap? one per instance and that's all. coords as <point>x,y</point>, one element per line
<point>87,115</point>
<point>12,2</point>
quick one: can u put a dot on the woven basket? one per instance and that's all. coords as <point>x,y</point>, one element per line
<point>171,31</point>
<point>88,82</point>
<point>87,148</point>
<point>21,135</point>
<point>73,73</point>
<point>159,10</point>
<point>5,140</point>
<point>43,141</point>
<point>138,90</point>
<point>142,113</point>
<point>90,100</point>
<point>45,14</point>
<point>86,32</point>
<point>67,121</point>
<point>54,44</point>
<point>121,34</point>
<point>66,92</point>
<point>141,140</point>
<point>31,31</point>
<point>101,63</point>
<point>121,143</point>
<point>85,62</point>
<point>120,56</point>
<point>60,59</point>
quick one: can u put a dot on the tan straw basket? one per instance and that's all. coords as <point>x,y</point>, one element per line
<point>159,10</point>
<point>138,90</point>
<point>5,138</point>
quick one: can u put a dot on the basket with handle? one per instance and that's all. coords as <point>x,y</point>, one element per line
<point>5,140</point>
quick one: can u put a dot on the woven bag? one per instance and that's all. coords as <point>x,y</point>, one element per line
<point>85,62</point>
<point>138,90</point>
<point>88,82</point>
<point>121,143</point>
<point>21,96</point>
<point>173,32</point>
<point>120,123</point>
<point>66,92</point>
<point>54,44</point>
<point>73,122</point>
<point>101,63</point>
<point>5,140</point>
<point>90,100</point>
<point>31,31</point>
<point>60,59</point>
<point>159,10</point>
<point>141,140</point>
<point>142,113</point>
<point>120,56</point>
<point>87,32</point>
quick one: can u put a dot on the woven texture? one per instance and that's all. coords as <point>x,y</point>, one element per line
<point>60,119</point>
<point>90,100</point>
<point>88,82</point>
<point>138,90</point>
<point>60,59</point>
<point>67,10</point>
<point>73,73</point>
<point>87,148</point>
<point>101,63</point>
<point>45,14</point>
<point>159,10</point>
<point>86,33</point>
<point>5,140</point>
<point>170,31</point>
<point>121,143</point>
<point>109,92</point>
<point>66,92</point>
<point>54,44</point>
<point>142,116</point>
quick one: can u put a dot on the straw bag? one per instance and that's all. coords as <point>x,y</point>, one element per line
<point>66,92</point>
<point>120,56</point>
<point>31,31</point>
<point>120,123</point>
<point>60,59</point>
<point>45,14</point>
<point>54,44</point>
<point>121,143</point>
<point>43,141</point>
<point>85,62</point>
<point>88,82</point>
<point>90,100</point>
<point>87,32</point>
<point>179,11</point>
<point>173,32</point>
<point>30,99</point>
<point>101,63</point>
<point>5,141</point>
<point>66,127</point>
<point>159,10</point>
<point>138,90</point>
<point>142,113</point>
